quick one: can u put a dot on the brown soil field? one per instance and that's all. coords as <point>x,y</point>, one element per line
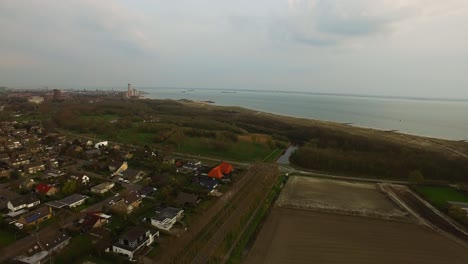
<point>302,236</point>
<point>338,197</point>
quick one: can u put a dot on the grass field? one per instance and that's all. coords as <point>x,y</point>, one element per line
<point>238,151</point>
<point>439,196</point>
<point>6,238</point>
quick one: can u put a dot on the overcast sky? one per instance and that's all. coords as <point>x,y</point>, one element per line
<point>377,47</point>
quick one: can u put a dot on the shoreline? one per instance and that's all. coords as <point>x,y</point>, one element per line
<point>385,130</point>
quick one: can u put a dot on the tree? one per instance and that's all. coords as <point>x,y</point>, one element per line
<point>69,188</point>
<point>415,177</point>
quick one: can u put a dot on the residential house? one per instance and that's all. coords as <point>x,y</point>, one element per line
<point>71,201</point>
<point>27,183</point>
<point>103,187</point>
<point>34,167</point>
<point>208,183</point>
<point>146,191</point>
<point>39,251</point>
<point>36,216</point>
<point>35,149</point>
<point>127,204</point>
<point>94,220</point>
<point>22,154</point>
<point>187,199</point>
<point>18,162</point>
<point>118,167</point>
<point>216,173</point>
<point>221,170</point>
<point>226,168</point>
<point>92,153</point>
<point>165,218</point>
<point>133,175</point>
<point>46,189</point>
<point>52,163</point>
<point>134,239</point>
<point>25,201</point>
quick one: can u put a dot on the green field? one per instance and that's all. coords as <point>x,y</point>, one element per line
<point>439,196</point>
<point>238,151</point>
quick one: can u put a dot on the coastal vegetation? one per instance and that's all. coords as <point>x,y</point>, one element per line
<point>239,134</point>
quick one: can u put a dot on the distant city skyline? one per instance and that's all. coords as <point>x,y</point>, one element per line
<point>404,48</point>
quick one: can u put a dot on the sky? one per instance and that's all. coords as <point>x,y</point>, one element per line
<point>372,47</point>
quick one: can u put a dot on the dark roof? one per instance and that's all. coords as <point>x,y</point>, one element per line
<point>36,214</point>
<point>134,233</point>
<point>168,212</point>
<point>146,190</point>
<point>208,182</point>
<point>131,173</point>
<point>132,197</point>
<point>69,200</point>
<point>25,199</point>
<point>50,242</point>
<point>90,220</point>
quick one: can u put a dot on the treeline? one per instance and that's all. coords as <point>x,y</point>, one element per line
<point>351,154</point>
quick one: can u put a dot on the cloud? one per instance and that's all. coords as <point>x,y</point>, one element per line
<point>72,29</point>
<point>330,22</point>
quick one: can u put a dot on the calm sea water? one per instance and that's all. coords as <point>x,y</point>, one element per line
<point>435,118</point>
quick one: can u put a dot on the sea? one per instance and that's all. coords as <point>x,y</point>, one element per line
<point>438,118</point>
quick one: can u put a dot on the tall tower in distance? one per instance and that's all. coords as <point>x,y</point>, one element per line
<point>129,93</point>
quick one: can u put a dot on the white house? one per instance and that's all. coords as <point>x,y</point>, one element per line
<point>25,201</point>
<point>71,201</point>
<point>134,239</point>
<point>165,218</point>
<point>101,144</point>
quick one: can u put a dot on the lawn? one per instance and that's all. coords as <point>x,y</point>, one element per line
<point>439,196</point>
<point>6,238</point>
<point>117,223</point>
<point>133,136</point>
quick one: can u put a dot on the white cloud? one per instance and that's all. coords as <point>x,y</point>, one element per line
<point>328,22</point>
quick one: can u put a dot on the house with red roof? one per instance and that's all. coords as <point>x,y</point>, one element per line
<point>45,189</point>
<point>226,168</point>
<point>216,173</point>
<point>221,170</point>
<point>94,220</point>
